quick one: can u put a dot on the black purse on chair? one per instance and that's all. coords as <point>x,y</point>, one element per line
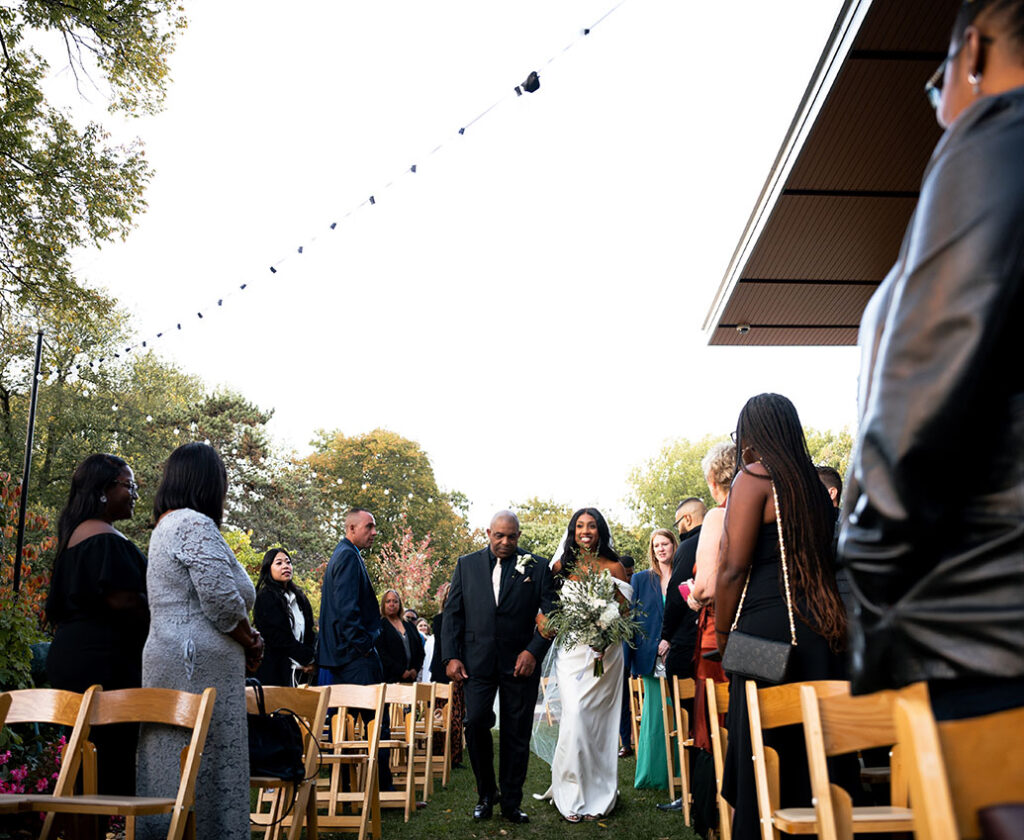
<point>275,741</point>
<point>754,657</point>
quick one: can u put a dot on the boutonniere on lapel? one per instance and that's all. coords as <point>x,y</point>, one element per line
<point>524,563</point>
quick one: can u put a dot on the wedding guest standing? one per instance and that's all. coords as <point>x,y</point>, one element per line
<point>200,597</point>
<point>428,649</point>
<point>776,581</point>
<point>933,532</point>
<point>399,643</point>
<point>649,588</point>
<point>284,618</point>
<point>97,602</point>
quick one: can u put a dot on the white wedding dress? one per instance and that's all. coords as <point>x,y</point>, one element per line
<point>584,768</point>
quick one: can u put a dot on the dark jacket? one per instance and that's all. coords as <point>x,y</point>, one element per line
<point>489,637</point>
<point>272,617</point>
<point>349,612</point>
<point>933,531</point>
<point>392,650</point>
<point>650,607</point>
<point>679,624</point>
<point>438,673</point>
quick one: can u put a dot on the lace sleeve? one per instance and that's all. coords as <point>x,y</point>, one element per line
<point>210,563</point>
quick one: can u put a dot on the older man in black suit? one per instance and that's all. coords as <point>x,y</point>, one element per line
<point>491,643</point>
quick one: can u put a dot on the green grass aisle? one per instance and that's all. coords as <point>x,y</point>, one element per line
<point>449,813</point>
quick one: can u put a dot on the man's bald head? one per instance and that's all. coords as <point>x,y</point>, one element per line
<point>689,514</point>
<point>503,535</point>
<point>507,516</point>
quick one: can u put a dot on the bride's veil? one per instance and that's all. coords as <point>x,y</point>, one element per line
<point>548,711</point>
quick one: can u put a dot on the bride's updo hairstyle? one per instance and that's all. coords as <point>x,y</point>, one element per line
<point>571,552</point>
<point>769,428</point>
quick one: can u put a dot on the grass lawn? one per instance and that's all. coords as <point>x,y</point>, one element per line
<point>449,813</point>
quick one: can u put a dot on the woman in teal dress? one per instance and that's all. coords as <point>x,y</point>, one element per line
<point>649,588</point>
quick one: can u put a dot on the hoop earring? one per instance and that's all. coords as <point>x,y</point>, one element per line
<point>974,79</point>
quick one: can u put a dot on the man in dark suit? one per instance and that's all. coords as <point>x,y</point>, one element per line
<point>491,643</point>
<point>349,612</point>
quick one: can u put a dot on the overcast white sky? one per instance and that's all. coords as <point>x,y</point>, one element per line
<point>528,305</point>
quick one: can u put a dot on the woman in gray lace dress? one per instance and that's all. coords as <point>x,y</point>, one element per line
<point>200,597</point>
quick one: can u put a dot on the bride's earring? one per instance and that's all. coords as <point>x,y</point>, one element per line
<point>974,79</point>
<point>103,498</point>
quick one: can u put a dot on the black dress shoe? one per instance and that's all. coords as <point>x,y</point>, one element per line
<point>625,752</point>
<point>676,805</point>
<point>515,815</point>
<point>484,808</point>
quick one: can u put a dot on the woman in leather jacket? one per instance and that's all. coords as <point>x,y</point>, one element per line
<point>933,530</point>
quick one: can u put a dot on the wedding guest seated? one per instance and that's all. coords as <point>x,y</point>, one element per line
<point>284,617</point>
<point>399,644</point>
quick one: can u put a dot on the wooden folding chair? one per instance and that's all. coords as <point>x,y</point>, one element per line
<point>143,705</point>
<point>636,706</point>
<point>423,733</point>
<point>352,753</point>
<point>403,700</point>
<point>718,704</point>
<point>442,723</point>
<point>676,723</point>
<point>768,708</point>
<point>843,724</point>
<point>53,706</point>
<point>292,804</point>
<point>957,767</point>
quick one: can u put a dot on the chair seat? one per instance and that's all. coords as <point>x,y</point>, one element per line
<point>123,806</point>
<point>12,803</point>
<point>867,819</point>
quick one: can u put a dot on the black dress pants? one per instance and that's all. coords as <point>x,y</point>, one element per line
<point>517,698</point>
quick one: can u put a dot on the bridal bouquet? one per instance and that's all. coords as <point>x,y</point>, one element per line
<point>590,614</point>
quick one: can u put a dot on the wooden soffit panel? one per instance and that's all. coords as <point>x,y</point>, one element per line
<point>829,221</point>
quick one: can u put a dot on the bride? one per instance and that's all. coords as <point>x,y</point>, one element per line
<point>584,768</point>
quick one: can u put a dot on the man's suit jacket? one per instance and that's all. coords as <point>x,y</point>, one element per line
<point>349,612</point>
<point>487,637</point>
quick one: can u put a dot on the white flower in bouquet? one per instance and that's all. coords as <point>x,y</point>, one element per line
<point>591,613</point>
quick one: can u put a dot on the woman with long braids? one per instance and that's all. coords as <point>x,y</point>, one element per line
<point>772,461</point>
<point>584,768</point>
<point>97,602</point>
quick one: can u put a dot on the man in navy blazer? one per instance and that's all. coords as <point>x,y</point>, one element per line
<point>349,612</point>
<point>491,643</point>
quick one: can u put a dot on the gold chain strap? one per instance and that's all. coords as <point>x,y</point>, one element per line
<point>785,576</point>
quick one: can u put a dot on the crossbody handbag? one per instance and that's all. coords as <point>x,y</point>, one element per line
<point>752,656</point>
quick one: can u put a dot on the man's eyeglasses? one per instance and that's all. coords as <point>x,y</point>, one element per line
<point>933,87</point>
<point>131,486</point>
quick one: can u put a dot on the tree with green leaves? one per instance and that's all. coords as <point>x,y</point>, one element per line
<point>392,477</point>
<point>63,186</point>
<point>672,475</point>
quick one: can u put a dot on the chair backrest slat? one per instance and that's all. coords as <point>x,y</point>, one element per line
<point>44,705</point>
<point>780,704</point>
<point>146,705</point>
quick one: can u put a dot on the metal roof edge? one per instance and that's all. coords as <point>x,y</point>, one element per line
<point>840,42</point>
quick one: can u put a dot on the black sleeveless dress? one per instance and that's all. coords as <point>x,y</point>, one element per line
<point>764,614</point>
<point>96,645</point>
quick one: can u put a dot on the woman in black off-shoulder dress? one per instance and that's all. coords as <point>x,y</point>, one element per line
<point>97,603</point>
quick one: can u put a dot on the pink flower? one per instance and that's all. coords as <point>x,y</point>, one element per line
<point>19,774</point>
<point>42,785</point>
<point>17,788</point>
<point>54,776</point>
<point>5,757</point>
<point>3,786</point>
